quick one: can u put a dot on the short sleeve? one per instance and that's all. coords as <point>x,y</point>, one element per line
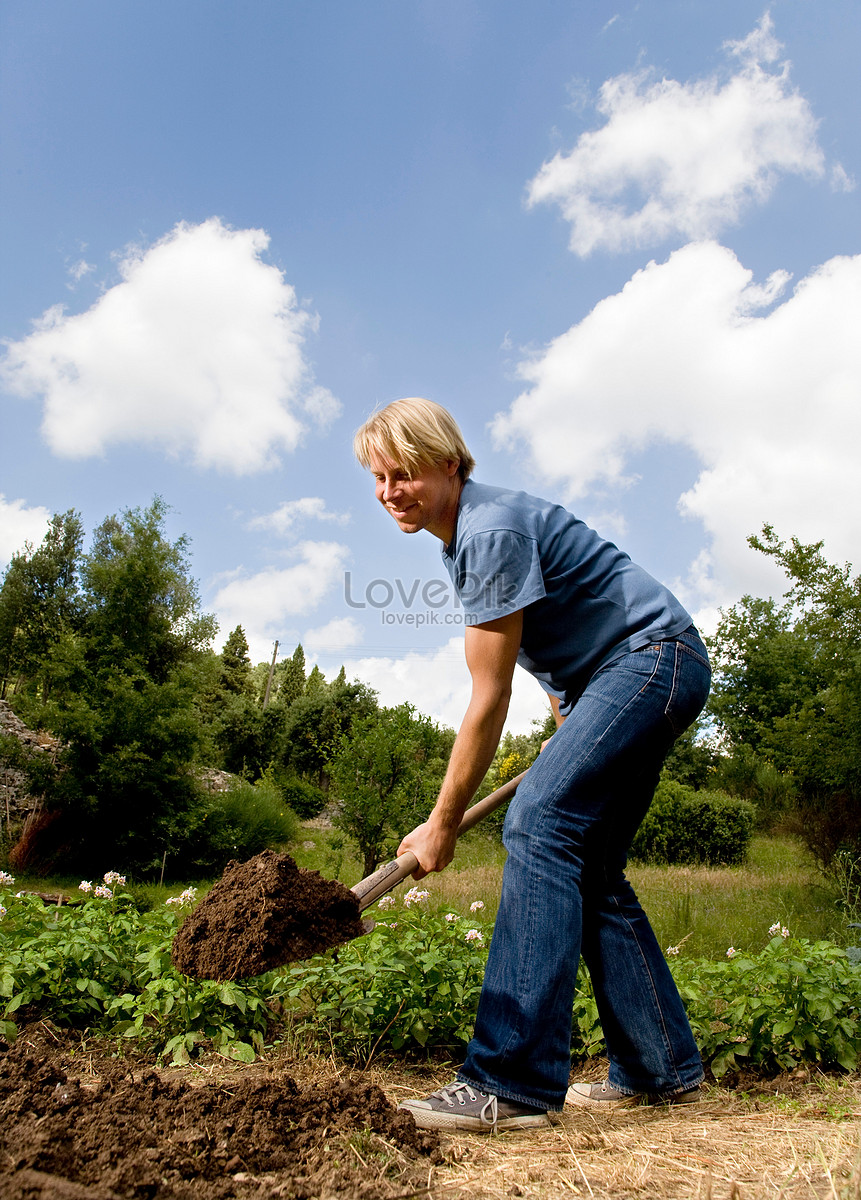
<point>496,572</point>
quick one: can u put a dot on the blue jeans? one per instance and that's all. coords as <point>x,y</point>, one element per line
<point>564,893</point>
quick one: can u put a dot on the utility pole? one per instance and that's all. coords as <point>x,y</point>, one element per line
<point>271,674</point>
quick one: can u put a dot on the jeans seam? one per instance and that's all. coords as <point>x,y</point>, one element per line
<point>668,1047</point>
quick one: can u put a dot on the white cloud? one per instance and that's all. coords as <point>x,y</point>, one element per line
<point>198,351</point>
<point>438,683</point>
<point>19,524</point>
<point>268,603</point>
<point>682,158</point>
<point>769,403</point>
<point>341,633</point>
<point>292,512</point>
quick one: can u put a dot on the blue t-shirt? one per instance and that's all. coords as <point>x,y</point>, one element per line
<point>585,603</point>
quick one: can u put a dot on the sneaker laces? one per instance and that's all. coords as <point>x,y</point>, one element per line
<point>452,1092</point>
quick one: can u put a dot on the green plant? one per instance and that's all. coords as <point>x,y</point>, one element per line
<point>687,826</point>
<point>411,984</point>
<point>795,1001</point>
<point>237,823</point>
<point>101,965</point>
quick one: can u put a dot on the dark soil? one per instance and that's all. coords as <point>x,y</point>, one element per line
<point>261,914</point>
<point>65,1136</point>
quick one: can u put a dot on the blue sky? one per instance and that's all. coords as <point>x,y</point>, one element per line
<point>621,243</point>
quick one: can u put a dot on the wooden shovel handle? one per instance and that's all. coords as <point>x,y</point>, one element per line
<point>385,878</point>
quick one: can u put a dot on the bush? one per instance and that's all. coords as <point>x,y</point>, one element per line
<point>238,823</point>
<point>684,826</point>
<point>747,775</point>
<point>305,799</point>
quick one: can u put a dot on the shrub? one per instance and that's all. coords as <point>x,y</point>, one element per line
<point>237,823</point>
<point>305,799</point>
<point>684,826</point>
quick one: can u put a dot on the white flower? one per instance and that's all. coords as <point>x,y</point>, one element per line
<point>451,916</point>
<point>773,929</point>
<point>386,902</point>
<point>186,897</point>
<point>672,950</point>
<point>474,935</point>
<point>731,953</point>
<point>414,896</point>
<point>85,886</point>
<point>104,893</point>
<point>2,912</point>
<point>113,877</point>
<point>476,905</point>
<point>784,932</point>
<point>6,880</point>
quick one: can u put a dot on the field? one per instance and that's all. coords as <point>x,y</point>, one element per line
<point>83,1117</point>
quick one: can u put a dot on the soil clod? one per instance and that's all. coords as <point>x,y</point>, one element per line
<point>262,914</point>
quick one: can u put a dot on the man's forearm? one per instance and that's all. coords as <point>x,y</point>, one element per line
<point>471,757</point>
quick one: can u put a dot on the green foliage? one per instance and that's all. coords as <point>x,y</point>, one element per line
<point>237,823</point>
<point>304,798</point>
<point>410,985</point>
<point>795,1001</point>
<point>289,682</point>
<point>235,664</point>
<point>746,774</point>
<point>101,965</point>
<point>693,760</point>
<point>685,826</point>
<point>314,725</point>
<point>125,703</point>
<point>385,777</point>
<point>40,609</point>
<point>763,668</point>
<point>788,685</point>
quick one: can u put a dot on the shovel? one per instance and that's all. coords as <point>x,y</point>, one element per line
<point>267,912</point>
<point>370,889</point>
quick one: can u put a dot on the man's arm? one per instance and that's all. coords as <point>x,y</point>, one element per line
<point>491,655</point>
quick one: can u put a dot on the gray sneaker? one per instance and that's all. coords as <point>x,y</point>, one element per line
<point>460,1107</point>
<point>586,1094</point>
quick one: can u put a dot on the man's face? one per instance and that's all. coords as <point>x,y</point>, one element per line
<point>427,501</point>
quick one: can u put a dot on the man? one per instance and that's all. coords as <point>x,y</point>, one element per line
<point>626,673</point>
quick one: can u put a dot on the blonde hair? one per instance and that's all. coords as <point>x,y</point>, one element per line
<point>413,433</point>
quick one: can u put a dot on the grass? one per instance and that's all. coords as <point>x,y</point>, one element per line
<point>713,907</point>
<point>716,906</point>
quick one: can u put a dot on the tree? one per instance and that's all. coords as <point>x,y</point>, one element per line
<point>40,607</point>
<point>315,724</point>
<point>764,666</point>
<point>124,790</point>
<point>290,678</point>
<point>789,685</point>
<point>235,664</point>
<point>385,777</point>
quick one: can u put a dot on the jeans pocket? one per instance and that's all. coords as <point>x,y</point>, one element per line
<point>690,688</point>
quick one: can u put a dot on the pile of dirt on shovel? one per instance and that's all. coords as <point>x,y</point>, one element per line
<point>262,914</point>
<point>123,1135</point>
